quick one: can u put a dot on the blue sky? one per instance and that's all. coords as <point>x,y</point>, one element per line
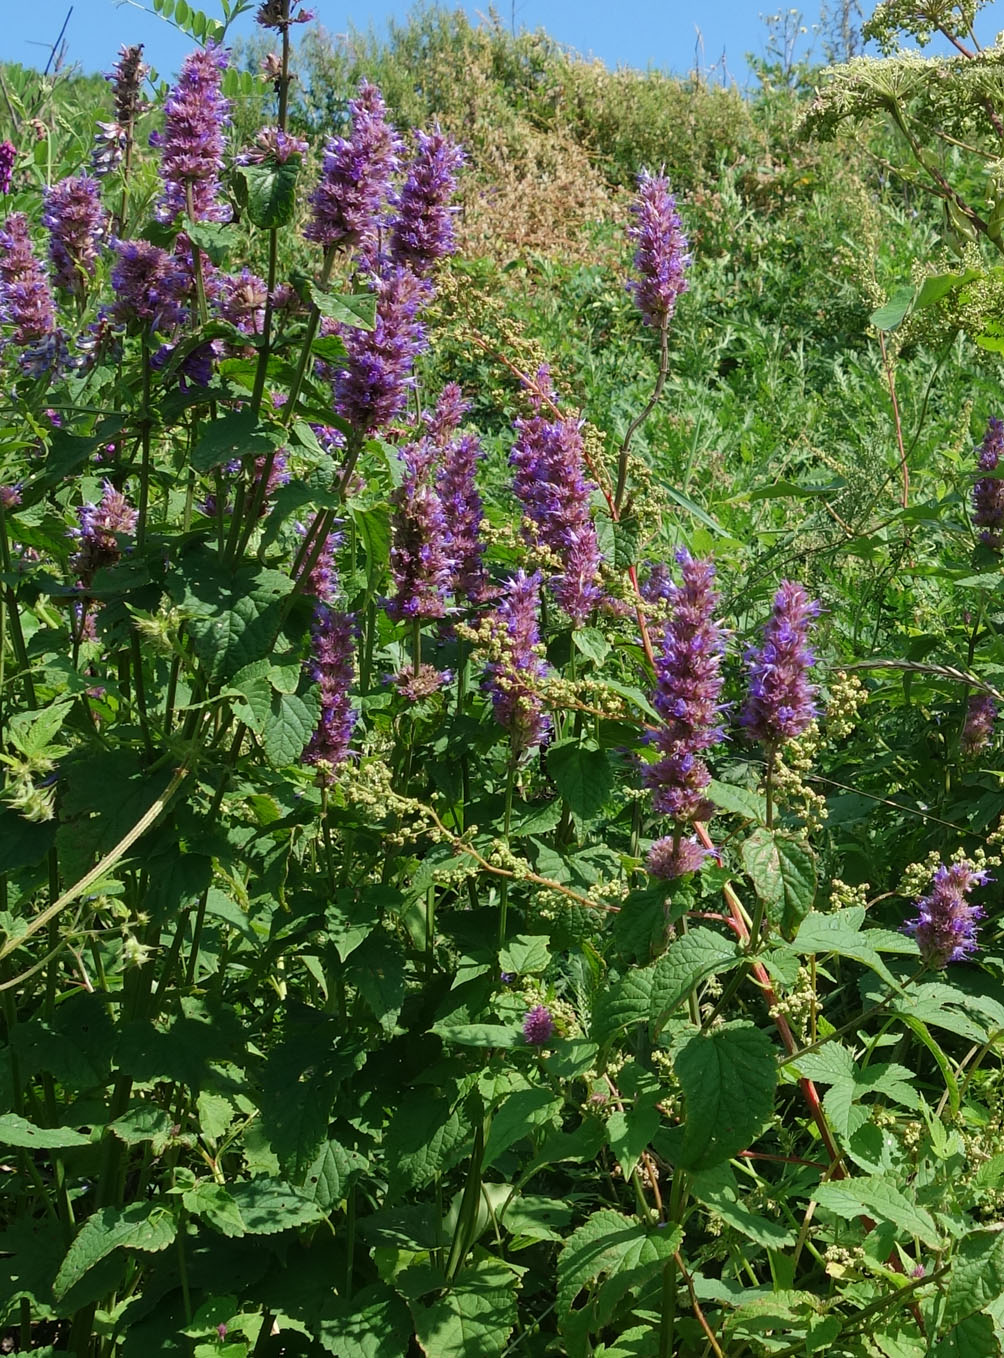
<point>670,34</point>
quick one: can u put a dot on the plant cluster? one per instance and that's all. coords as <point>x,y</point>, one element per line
<point>457,895</point>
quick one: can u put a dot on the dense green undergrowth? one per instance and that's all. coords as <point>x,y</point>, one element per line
<point>353,1001</point>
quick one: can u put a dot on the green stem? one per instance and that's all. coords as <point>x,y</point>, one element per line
<point>463,1236</point>
<point>510,784</point>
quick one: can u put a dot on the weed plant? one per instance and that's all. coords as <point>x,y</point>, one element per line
<point>501,830</point>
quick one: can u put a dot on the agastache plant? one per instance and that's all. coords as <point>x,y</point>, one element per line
<point>688,700</point>
<point>331,666</point>
<point>988,491</point>
<point>781,702</point>
<point>516,663</point>
<point>419,559</point>
<point>456,484</point>
<point>8,155</point>
<point>76,222</point>
<point>946,924</point>
<point>549,461</point>
<point>191,144</point>
<point>981,716</point>
<point>662,257</point>
<point>356,175</point>
<point>26,301</point>
<point>423,233</point>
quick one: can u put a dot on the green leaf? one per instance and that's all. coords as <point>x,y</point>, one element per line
<point>520,1111</point>
<point>876,1196</point>
<point>423,1141</point>
<point>739,801</point>
<point>592,644</point>
<point>212,238</point>
<point>583,776</point>
<point>356,309</point>
<point>268,1206</point>
<point>971,1337</point>
<point>478,1034</point>
<point>889,316</point>
<point>476,1316</point>
<point>291,720</point>
<point>144,1122</point>
<point>842,934</point>
<point>525,955</point>
<point>977,1276</point>
<point>16,1131</point>
<point>271,190</point>
<point>728,1077</point>
<point>373,527</point>
<point>234,616</point>
<point>144,1226</point>
<point>690,958</point>
<point>214,1204</point>
<point>783,872</point>
<point>628,1133</point>
<point>373,1323</point>
<point>332,1174</point>
<point>623,1003</point>
<point>608,1256</point>
<point>717,1189</point>
<point>237,434</point>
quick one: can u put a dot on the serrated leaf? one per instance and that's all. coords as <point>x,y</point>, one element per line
<point>783,872</point>
<point>977,1276</point>
<point>622,1003</point>
<point>292,718</point>
<point>689,959</point>
<point>629,1131</point>
<point>271,191</point>
<point>478,1034</point>
<point>525,955</point>
<point>373,1323</point>
<point>355,309</point>
<point>17,1131</point>
<point>728,1077</point>
<point>476,1316</point>
<point>520,1111</point>
<point>971,1337</point>
<point>608,1255</point>
<point>583,776</point>
<point>422,1141</point>
<point>373,528</point>
<point>591,642</point>
<point>738,801</point>
<point>237,434</point>
<point>144,1122</point>
<point>717,1189</point>
<point>143,1226</point>
<point>879,1198</point>
<point>332,1174</point>
<point>842,934</point>
<point>268,1206</point>
<point>214,1204</point>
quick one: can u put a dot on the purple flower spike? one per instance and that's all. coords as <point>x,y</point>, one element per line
<point>539,1026</point>
<point>355,179</point>
<point>981,715</point>
<point>661,257</point>
<point>419,561</point>
<point>25,296</point>
<point>76,222</point>
<point>8,155</point>
<point>988,492</point>
<point>423,230</point>
<point>192,141</point>
<point>781,701</point>
<point>333,646</point>
<point>517,707</point>
<point>549,462</point>
<point>10,496</point>
<point>458,491</point>
<point>372,386</point>
<point>945,927</point>
<point>688,688</point>
<point>100,528</point>
<point>673,857</point>
<point>149,284</point>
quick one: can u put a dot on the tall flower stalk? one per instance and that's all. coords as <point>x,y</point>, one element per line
<point>687,697</point>
<point>988,491</point>
<point>548,458</point>
<point>191,144</point>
